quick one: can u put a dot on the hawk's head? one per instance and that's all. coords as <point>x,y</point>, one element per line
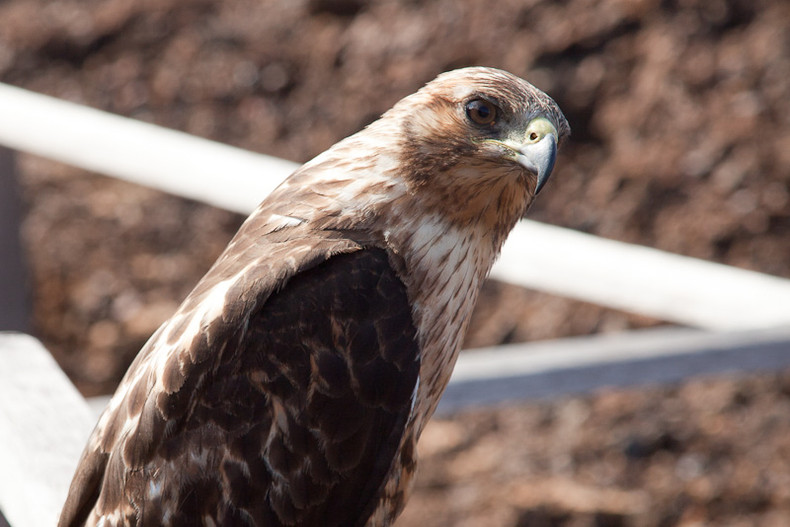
<point>473,147</point>
<point>478,139</point>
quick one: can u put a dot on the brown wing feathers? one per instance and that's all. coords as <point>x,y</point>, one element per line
<point>345,383</point>
<point>299,422</point>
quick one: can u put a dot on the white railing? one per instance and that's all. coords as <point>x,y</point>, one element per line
<point>633,278</point>
<point>44,422</point>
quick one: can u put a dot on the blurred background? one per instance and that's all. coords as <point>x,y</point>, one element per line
<point>681,140</point>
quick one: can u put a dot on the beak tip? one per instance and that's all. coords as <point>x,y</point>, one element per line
<point>548,157</point>
<point>542,179</point>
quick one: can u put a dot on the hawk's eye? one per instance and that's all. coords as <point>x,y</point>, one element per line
<point>481,112</point>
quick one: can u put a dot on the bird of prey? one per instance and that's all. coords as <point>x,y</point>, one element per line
<point>291,386</point>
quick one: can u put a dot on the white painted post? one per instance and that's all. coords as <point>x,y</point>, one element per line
<point>44,424</point>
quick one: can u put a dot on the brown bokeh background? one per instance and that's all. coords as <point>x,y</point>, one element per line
<point>681,140</point>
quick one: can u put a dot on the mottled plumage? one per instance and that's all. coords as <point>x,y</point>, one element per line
<point>292,384</point>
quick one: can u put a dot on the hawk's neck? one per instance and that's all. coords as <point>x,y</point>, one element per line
<point>445,268</point>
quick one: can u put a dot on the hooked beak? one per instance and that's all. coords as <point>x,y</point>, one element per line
<point>539,152</point>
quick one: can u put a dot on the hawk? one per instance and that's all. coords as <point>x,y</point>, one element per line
<point>291,386</point>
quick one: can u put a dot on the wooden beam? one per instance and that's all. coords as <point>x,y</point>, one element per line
<point>583,364</point>
<point>15,307</point>
<point>666,286</point>
<point>44,424</point>
<point>142,153</point>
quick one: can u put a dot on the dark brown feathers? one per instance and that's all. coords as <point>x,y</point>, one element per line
<point>302,429</point>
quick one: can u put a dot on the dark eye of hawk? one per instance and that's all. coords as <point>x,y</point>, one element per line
<point>481,112</point>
